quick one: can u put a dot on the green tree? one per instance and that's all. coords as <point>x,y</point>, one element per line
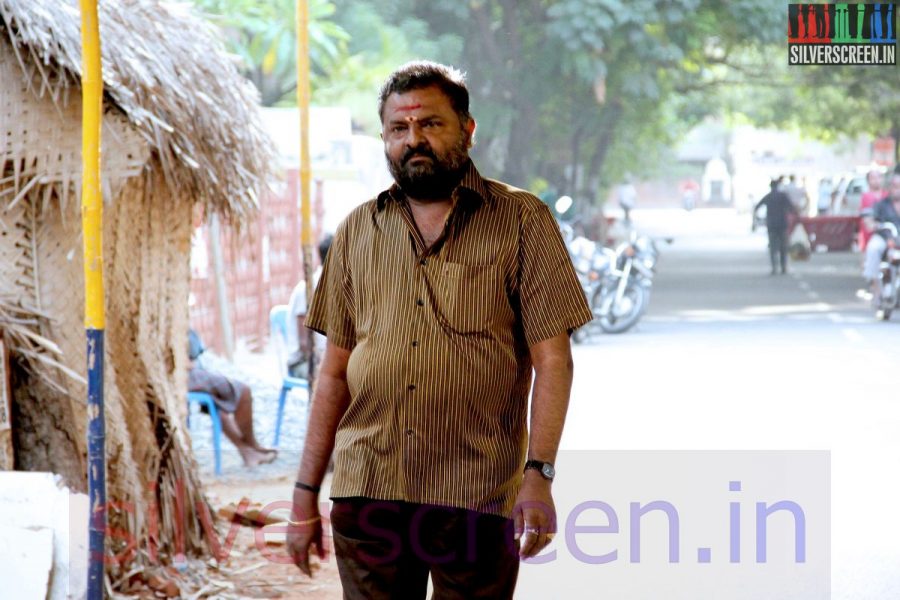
<point>574,82</point>
<point>263,36</point>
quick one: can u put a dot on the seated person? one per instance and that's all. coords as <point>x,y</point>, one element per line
<point>885,211</point>
<point>234,403</point>
<point>297,339</point>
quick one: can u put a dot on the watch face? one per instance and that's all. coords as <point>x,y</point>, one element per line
<point>548,471</point>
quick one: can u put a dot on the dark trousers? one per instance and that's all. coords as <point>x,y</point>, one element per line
<point>778,248</point>
<point>386,549</point>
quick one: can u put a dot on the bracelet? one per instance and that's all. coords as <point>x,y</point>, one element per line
<point>305,486</point>
<point>304,522</point>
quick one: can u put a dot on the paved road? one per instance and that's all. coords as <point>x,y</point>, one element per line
<point>729,357</point>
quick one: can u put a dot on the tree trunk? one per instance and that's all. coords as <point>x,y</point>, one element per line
<point>609,122</point>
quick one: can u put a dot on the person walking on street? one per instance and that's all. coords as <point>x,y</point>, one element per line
<point>778,209</point>
<point>438,299</point>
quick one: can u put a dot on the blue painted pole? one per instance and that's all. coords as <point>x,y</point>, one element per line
<point>94,295</point>
<point>96,464</point>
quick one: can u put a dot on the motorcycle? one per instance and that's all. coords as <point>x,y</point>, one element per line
<point>888,295</point>
<point>617,282</point>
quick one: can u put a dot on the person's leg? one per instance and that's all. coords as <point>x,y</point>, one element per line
<point>471,555</point>
<point>773,249</point>
<point>373,555</point>
<point>783,250</point>
<point>874,251</point>
<point>243,415</point>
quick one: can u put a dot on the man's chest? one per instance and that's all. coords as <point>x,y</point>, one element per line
<point>466,283</point>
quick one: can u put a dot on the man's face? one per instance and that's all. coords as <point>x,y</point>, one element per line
<point>895,188</point>
<point>425,144</point>
<point>874,180</point>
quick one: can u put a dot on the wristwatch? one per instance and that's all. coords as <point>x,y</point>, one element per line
<point>544,468</point>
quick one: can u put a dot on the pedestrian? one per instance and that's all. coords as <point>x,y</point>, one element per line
<point>297,338</point>
<point>627,198</point>
<point>778,209</point>
<point>797,194</point>
<point>234,402</point>
<point>438,298</point>
<point>825,193</point>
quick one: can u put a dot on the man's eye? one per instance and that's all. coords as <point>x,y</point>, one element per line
<point>398,128</point>
<point>430,124</point>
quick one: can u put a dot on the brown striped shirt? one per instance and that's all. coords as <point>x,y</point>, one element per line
<point>440,371</point>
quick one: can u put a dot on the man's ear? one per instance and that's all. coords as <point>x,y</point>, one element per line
<point>470,131</point>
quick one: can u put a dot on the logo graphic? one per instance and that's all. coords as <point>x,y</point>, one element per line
<point>842,34</point>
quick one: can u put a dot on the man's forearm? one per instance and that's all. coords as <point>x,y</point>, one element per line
<point>329,403</point>
<point>550,399</point>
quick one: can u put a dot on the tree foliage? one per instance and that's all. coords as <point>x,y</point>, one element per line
<point>263,36</point>
<point>570,94</point>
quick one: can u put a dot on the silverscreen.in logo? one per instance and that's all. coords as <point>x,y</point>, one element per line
<point>842,34</point>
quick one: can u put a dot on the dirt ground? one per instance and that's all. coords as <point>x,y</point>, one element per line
<point>256,564</point>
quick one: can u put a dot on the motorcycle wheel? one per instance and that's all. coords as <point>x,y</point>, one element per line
<point>623,319</point>
<point>579,336</point>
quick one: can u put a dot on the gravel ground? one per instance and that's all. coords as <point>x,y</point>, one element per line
<point>260,371</point>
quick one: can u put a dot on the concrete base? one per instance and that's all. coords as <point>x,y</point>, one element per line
<point>43,538</point>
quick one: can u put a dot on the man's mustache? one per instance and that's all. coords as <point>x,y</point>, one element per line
<point>418,151</point>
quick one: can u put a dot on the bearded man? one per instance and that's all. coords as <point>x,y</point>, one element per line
<point>438,300</point>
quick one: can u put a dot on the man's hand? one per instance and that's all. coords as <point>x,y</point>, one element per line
<point>305,530</point>
<point>534,515</point>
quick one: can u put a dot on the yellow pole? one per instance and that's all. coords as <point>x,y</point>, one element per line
<point>91,198</point>
<point>305,171</point>
<point>94,318</point>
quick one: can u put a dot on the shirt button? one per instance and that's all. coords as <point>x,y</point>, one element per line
<point>411,387</point>
<point>414,344</point>
<point>409,432</point>
<point>419,302</point>
<point>423,262</point>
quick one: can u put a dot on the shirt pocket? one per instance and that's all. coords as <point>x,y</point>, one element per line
<point>469,296</point>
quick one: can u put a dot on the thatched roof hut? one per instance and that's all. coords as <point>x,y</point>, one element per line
<point>180,128</point>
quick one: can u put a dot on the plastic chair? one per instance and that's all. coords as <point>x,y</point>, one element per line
<point>204,399</point>
<point>278,324</point>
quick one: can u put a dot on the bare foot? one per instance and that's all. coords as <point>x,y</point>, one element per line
<point>253,457</point>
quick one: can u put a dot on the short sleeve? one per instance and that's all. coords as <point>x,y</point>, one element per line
<point>551,298</point>
<point>332,312</point>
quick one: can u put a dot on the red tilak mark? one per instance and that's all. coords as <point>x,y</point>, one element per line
<point>410,107</point>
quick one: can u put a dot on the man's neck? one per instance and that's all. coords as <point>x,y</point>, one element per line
<point>430,204</point>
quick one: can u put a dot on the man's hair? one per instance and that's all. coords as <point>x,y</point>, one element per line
<point>422,74</point>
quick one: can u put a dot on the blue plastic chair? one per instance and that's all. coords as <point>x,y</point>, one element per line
<point>204,399</point>
<point>278,324</point>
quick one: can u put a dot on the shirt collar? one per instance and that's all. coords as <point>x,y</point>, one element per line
<point>472,189</point>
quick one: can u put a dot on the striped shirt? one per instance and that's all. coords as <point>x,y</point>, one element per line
<point>439,374</point>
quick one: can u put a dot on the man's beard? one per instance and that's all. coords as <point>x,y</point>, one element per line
<point>430,181</point>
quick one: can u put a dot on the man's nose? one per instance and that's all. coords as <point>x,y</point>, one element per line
<point>414,135</point>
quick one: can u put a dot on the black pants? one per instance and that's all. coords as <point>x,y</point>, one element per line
<point>778,248</point>
<point>386,549</point>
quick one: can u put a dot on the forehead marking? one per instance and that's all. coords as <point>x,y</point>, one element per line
<point>409,107</point>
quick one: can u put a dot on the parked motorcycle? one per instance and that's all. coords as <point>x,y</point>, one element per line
<point>888,296</point>
<point>617,282</point>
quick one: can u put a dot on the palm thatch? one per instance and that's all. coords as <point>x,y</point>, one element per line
<point>180,127</point>
<point>167,71</point>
